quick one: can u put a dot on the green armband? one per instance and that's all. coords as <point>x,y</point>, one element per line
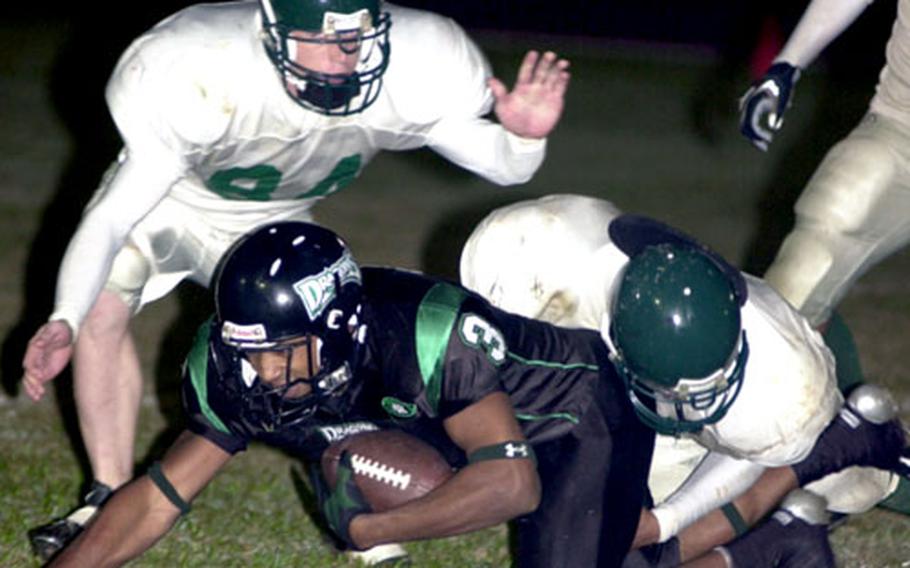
<point>736,520</point>
<point>158,478</point>
<point>511,450</point>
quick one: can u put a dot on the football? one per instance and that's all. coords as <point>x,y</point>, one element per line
<point>390,467</point>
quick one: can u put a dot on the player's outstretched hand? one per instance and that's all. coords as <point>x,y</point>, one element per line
<point>533,107</point>
<point>48,352</point>
<point>867,432</point>
<point>762,107</point>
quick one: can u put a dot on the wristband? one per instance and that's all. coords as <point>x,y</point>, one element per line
<point>511,450</point>
<point>736,520</point>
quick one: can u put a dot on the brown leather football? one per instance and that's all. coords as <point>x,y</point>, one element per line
<point>391,467</point>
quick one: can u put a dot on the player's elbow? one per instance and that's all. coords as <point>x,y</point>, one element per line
<point>519,486</point>
<point>511,177</point>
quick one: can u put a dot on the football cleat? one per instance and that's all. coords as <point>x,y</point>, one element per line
<point>794,536</point>
<point>48,539</point>
<point>903,464</point>
<point>865,433</point>
<point>392,554</point>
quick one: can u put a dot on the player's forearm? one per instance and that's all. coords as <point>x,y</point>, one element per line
<point>128,192</point>
<point>83,272</point>
<point>479,496</point>
<point>716,527</point>
<point>820,24</point>
<point>128,525</point>
<point>717,479</point>
<point>488,150</point>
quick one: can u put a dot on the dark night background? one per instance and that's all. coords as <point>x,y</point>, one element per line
<point>712,23</point>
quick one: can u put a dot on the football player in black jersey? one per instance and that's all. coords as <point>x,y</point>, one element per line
<point>305,346</point>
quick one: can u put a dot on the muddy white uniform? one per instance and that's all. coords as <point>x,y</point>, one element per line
<point>553,259</point>
<point>214,146</point>
<point>855,210</point>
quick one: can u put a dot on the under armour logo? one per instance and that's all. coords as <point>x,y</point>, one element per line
<point>515,450</point>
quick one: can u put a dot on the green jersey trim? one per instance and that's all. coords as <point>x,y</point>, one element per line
<point>197,362</point>
<point>526,417</point>
<point>435,320</point>
<point>539,363</point>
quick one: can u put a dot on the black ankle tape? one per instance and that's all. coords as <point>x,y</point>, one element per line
<point>97,494</point>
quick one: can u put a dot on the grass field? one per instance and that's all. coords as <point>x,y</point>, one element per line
<point>627,136</point>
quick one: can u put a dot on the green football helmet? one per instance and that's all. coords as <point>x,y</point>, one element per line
<point>355,26</point>
<point>675,336</point>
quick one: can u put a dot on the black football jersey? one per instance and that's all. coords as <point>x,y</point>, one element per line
<point>431,349</point>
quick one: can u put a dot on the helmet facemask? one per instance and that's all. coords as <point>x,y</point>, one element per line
<point>285,403</point>
<point>331,94</point>
<point>691,403</point>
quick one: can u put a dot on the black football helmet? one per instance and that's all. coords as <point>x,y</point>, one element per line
<point>355,26</point>
<point>286,285</point>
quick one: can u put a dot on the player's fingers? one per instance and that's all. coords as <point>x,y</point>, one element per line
<point>545,67</point>
<point>31,373</point>
<point>34,361</point>
<point>528,64</point>
<point>497,88</point>
<point>33,388</point>
<point>38,341</point>
<point>559,76</point>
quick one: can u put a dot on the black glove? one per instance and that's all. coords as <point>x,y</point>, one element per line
<point>346,501</point>
<point>762,107</point>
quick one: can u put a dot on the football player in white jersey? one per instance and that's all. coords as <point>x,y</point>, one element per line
<point>216,142</point>
<point>561,259</point>
<point>853,212</point>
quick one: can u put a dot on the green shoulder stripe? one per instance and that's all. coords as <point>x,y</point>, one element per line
<point>197,363</point>
<point>435,320</point>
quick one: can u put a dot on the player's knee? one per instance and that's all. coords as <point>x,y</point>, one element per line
<point>128,277</point>
<point>109,317</point>
<point>874,403</point>
<point>848,185</point>
<point>803,262</point>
